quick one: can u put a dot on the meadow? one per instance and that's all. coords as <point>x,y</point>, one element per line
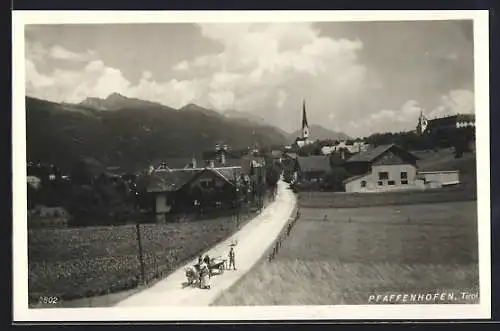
<point>342,256</point>
<point>76,263</point>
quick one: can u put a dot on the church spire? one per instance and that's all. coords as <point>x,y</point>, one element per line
<point>305,126</point>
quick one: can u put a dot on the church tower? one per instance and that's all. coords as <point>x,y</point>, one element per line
<point>422,123</point>
<point>305,126</point>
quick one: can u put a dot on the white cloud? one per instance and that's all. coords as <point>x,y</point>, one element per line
<point>94,66</point>
<point>282,96</point>
<point>60,53</point>
<point>182,66</point>
<point>262,62</point>
<point>406,118</point>
<point>35,79</point>
<point>455,102</point>
<point>387,120</point>
<point>268,67</point>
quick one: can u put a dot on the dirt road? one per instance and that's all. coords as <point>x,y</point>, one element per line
<point>253,240</point>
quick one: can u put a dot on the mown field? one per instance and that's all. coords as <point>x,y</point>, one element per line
<point>78,263</point>
<point>350,254</point>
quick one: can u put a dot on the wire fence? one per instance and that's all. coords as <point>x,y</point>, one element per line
<point>285,233</point>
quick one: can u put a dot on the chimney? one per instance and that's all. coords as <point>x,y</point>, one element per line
<point>223,158</point>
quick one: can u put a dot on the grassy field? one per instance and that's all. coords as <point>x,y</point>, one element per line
<point>353,200</point>
<point>350,254</point>
<point>83,262</point>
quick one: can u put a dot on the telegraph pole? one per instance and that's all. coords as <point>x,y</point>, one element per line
<point>141,258</point>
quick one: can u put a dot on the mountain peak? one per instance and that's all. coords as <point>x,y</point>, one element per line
<point>192,106</point>
<point>116,96</point>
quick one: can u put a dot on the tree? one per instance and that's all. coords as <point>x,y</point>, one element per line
<point>334,179</point>
<point>32,196</point>
<point>80,173</point>
<point>273,173</point>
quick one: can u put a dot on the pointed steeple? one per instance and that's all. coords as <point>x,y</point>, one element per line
<point>305,126</point>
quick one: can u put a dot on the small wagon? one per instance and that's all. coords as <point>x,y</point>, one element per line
<point>217,264</point>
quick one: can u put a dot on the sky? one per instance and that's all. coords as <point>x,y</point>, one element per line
<point>355,77</point>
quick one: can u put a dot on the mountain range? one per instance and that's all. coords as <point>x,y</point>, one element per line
<point>131,132</point>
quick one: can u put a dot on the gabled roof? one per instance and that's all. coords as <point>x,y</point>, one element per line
<point>276,153</point>
<point>169,181</point>
<point>173,180</point>
<point>350,179</point>
<point>336,159</point>
<point>372,154</point>
<point>230,162</point>
<point>291,155</point>
<point>314,163</point>
<point>229,174</point>
<point>175,163</point>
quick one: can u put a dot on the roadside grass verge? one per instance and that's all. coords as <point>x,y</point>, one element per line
<point>353,200</point>
<point>76,263</point>
<point>354,253</point>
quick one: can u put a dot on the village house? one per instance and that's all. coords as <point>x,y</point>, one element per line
<point>254,167</point>
<point>352,147</point>
<point>184,190</point>
<point>390,167</point>
<point>386,167</point>
<point>34,181</point>
<point>312,168</point>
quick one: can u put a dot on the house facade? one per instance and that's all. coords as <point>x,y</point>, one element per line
<point>34,181</point>
<point>187,190</point>
<point>384,168</point>
<point>436,179</point>
<point>389,167</point>
<point>312,168</point>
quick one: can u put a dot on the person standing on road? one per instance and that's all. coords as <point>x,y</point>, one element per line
<point>232,259</point>
<point>204,273</point>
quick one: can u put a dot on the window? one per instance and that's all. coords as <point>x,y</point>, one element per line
<point>363,183</point>
<point>383,175</point>
<point>380,183</point>
<point>404,175</point>
<point>391,182</point>
<point>404,182</point>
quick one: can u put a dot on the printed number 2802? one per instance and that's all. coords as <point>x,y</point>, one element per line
<point>48,300</point>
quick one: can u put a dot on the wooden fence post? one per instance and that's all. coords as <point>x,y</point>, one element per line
<point>141,258</point>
